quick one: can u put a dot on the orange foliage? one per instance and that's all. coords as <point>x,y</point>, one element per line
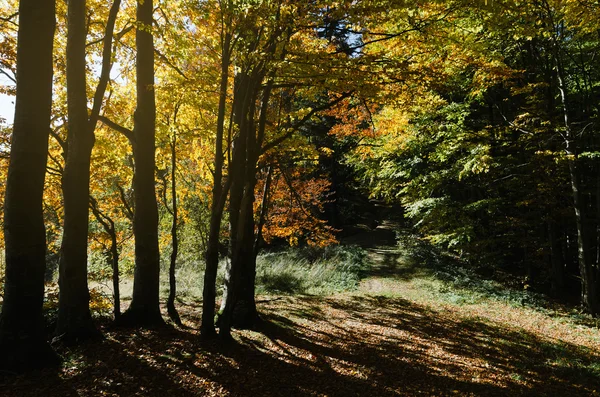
<point>295,203</point>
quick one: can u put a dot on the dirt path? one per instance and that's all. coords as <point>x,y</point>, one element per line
<point>388,262</point>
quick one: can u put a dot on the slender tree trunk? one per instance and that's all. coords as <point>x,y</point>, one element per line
<point>22,338</point>
<point>74,317</point>
<point>144,309</point>
<point>244,312</point>
<point>590,296</point>
<point>114,251</point>
<point>237,173</point>
<point>171,310</point>
<point>219,195</point>
<point>232,270</point>
<point>113,255</point>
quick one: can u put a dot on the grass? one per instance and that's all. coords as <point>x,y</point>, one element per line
<point>308,270</point>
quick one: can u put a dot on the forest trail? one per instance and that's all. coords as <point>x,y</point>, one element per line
<point>395,335</point>
<point>389,262</point>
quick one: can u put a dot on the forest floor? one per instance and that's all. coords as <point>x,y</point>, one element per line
<point>398,333</point>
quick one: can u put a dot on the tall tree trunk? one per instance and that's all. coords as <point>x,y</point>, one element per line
<point>144,309</point>
<point>244,312</point>
<point>74,317</point>
<point>219,194</point>
<point>22,337</point>
<point>171,310</point>
<point>245,315</point>
<point>114,257</point>
<point>238,307</point>
<point>590,296</point>
<point>237,173</point>
<point>232,270</point>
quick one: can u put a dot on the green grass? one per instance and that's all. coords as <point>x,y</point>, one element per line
<point>311,270</point>
<point>457,282</point>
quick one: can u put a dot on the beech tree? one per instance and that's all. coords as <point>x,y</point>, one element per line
<point>23,342</point>
<point>74,318</point>
<point>144,308</point>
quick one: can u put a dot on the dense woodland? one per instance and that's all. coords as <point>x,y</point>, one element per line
<point>152,133</point>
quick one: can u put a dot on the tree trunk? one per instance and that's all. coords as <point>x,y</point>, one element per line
<point>114,251</point>
<point>22,337</point>
<point>243,108</point>
<point>171,310</point>
<point>74,317</point>
<point>590,296</point>
<point>219,194</point>
<point>244,314</point>
<point>144,309</point>
<point>238,307</point>
<point>232,270</point>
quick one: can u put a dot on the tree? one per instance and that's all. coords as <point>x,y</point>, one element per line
<point>74,318</point>
<point>220,188</point>
<point>144,308</point>
<point>22,337</point>
<point>264,115</point>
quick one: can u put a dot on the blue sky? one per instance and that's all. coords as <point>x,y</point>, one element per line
<point>7,107</point>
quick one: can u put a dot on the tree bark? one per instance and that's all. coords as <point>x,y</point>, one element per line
<point>22,338</point>
<point>171,310</point>
<point>244,119</point>
<point>219,195</point>
<point>144,309</point>
<point>74,317</point>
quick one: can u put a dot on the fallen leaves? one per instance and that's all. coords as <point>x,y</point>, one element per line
<point>360,343</point>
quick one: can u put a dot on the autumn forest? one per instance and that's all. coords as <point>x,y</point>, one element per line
<point>361,197</point>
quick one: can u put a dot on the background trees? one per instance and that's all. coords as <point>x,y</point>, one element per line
<point>489,164</point>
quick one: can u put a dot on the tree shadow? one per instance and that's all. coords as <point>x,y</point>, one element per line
<point>409,349</point>
<point>325,346</point>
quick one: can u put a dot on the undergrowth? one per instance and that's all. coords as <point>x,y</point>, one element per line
<point>311,270</point>
<point>454,281</point>
<point>308,270</point>
<point>460,282</point>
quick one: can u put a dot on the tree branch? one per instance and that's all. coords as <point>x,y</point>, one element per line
<point>106,65</point>
<point>111,124</point>
<point>295,126</point>
<point>170,64</point>
<point>128,209</point>
<point>11,78</point>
